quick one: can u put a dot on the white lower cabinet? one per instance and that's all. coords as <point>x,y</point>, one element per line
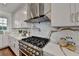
<point>61,14</point>
<point>14,45</point>
<point>0,41</point>
<point>3,40</point>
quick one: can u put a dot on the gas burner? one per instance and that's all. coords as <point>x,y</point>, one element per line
<point>36,41</point>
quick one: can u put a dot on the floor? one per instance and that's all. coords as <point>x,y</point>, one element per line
<point>6,52</point>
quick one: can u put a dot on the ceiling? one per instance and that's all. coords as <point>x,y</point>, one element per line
<point>11,7</point>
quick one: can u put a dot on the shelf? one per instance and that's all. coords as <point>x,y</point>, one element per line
<point>27,28</point>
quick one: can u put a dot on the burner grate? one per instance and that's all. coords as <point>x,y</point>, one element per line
<point>36,41</point>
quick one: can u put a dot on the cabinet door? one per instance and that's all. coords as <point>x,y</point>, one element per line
<point>5,41</point>
<point>11,43</point>
<point>16,47</point>
<point>9,39</point>
<point>0,40</point>
<point>60,15</point>
<point>77,14</point>
<point>73,13</point>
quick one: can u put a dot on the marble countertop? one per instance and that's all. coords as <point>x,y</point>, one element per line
<point>54,49</point>
<point>17,36</point>
<point>70,53</point>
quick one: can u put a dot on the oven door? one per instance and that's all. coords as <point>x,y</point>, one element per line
<point>21,53</point>
<point>24,53</point>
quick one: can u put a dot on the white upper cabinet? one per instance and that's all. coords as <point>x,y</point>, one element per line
<point>77,14</point>
<point>72,12</point>
<point>61,14</point>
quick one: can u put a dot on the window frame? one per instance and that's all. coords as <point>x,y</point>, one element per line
<point>6,23</point>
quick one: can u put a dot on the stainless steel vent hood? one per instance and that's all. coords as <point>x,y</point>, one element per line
<point>38,19</point>
<point>37,13</point>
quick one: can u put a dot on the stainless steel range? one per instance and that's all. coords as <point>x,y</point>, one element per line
<point>32,46</point>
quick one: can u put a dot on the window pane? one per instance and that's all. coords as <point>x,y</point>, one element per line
<point>0,20</point>
<point>4,20</point>
<point>4,28</point>
<point>3,24</point>
<point>0,28</point>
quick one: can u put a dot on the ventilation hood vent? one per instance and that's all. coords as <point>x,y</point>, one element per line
<point>38,19</point>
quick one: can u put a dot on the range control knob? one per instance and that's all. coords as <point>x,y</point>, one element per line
<point>25,46</point>
<point>37,53</point>
<point>33,51</point>
<point>30,49</point>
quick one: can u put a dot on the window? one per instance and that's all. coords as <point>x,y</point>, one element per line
<point>3,24</point>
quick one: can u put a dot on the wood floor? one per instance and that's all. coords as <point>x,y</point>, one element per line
<point>6,52</point>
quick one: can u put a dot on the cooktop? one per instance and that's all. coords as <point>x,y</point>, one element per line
<point>36,41</point>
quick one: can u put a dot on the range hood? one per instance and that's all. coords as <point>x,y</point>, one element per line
<point>38,19</point>
<point>37,13</point>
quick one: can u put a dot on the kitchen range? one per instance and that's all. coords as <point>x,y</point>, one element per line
<point>32,46</point>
